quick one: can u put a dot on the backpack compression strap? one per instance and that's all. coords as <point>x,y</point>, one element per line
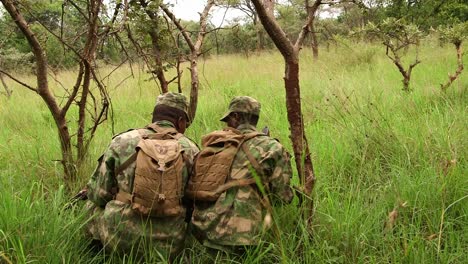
<point>258,169</point>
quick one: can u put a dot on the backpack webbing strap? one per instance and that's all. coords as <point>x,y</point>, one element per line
<point>126,163</point>
<point>234,183</point>
<point>252,159</point>
<point>244,182</point>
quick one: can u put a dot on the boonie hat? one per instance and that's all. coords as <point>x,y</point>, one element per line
<point>242,104</point>
<point>175,100</point>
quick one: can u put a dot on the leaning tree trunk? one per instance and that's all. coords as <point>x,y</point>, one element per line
<point>8,92</point>
<point>453,77</point>
<point>43,88</point>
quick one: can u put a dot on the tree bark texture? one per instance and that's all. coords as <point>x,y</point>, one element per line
<point>453,77</point>
<point>290,54</point>
<point>405,73</point>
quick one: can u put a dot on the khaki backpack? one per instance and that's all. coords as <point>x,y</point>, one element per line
<point>157,186</point>
<point>213,164</point>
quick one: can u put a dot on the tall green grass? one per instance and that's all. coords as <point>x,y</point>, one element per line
<point>375,149</point>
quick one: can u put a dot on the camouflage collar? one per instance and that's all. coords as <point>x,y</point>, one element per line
<point>164,123</point>
<point>246,128</point>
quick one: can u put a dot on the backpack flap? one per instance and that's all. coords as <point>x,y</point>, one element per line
<point>161,151</point>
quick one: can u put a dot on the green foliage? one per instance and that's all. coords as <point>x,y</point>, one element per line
<point>454,34</point>
<point>424,13</point>
<point>394,33</point>
<point>11,59</point>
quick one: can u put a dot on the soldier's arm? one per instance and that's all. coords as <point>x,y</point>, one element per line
<point>102,183</point>
<point>280,178</point>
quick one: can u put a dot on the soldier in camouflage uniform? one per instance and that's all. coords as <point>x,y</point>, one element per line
<point>239,216</point>
<point>115,223</point>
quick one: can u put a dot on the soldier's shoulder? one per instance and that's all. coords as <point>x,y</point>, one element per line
<point>264,139</point>
<point>267,143</point>
<point>131,136</point>
<point>188,143</point>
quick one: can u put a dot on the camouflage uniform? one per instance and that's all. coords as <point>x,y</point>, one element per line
<point>237,218</point>
<point>114,222</point>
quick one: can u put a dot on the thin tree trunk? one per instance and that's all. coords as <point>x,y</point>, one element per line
<point>194,85</point>
<point>315,49</point>
<point>260,35</point>
<point>158,69</point>
<point>43,89</point>
<point>8,92</point>
<point>453,77</point>
<point>88,56</point>
<point>290,54</point>
<point>194,52</point>
<point>294,111</point>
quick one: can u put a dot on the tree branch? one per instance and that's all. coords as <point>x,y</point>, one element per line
<point>280,39</point>
<point>18,81</point>
<point>311,10</point>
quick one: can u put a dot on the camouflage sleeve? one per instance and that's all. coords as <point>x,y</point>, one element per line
<point>190,149</point>
<point>102,180</point>
<point>281,173</point>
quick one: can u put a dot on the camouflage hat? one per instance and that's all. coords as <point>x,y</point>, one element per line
<point>243,104</point>
<point>176,100</point>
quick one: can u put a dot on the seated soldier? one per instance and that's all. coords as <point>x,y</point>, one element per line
<point>135,193</point>
<point>230,212</point>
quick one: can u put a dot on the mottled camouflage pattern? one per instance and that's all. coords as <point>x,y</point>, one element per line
<point>115,223</point>
<point>176,100</point>
<point>237,217</point>
<point>243,104</point>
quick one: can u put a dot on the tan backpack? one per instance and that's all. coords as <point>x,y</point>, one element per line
<point>213,164</point>
<point>157,186</point>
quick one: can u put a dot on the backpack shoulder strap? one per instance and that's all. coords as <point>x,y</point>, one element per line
<point>126,163</point>
<point>247,152</point>
<point>253,161</point>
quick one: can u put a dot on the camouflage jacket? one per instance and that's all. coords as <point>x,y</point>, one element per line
<point>237,217</point>
<point>115,223</point>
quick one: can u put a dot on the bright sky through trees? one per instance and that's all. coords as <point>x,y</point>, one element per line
<point>189,9</point>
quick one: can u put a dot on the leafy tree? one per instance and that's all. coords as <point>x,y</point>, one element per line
<point>424,13</point>
<point>455,35</point>
<point>83,45</point>
<point>397,37</point>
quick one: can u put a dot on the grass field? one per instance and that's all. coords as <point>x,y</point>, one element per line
<point>376,150</point>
